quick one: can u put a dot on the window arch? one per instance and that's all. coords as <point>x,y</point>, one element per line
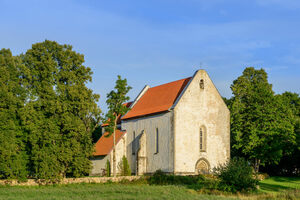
<point>202,138</point>
<point>201,84</point>
<point>202,166</point>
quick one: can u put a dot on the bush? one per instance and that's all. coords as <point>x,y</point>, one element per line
<point>124,167</point>
<point>107,168</point>
<point>206,183</point>
<point>236,175</point>
<point>160,178</point>
<point>140,181</point>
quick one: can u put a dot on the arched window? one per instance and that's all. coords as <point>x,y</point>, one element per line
<point>202,139</point>
<point>202,166</point>
<point>201,84</point>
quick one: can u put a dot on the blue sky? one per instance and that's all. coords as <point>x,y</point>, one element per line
<point>157,41</point>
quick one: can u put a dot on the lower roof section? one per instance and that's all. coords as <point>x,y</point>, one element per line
<point>105,144</point>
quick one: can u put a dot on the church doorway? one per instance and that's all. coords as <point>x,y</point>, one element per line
<point>202,166</point>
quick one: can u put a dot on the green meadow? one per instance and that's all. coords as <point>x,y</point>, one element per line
<point>271,188</point>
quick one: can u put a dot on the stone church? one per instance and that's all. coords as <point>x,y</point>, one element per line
<point>181,127</point>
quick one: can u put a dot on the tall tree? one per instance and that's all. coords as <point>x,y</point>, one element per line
<point>290,162</point>
<point>260,123</point>
<point>12,97</point>
<point>61,112</point>
<point>115,100</point>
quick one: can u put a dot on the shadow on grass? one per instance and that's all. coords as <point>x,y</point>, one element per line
<point>273,187</point>
<point>287,179</point>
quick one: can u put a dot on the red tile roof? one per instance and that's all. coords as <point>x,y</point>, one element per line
<point>105,144</point>
<point>128,104</point>
<point>157,99</point>
<point>119,117</point>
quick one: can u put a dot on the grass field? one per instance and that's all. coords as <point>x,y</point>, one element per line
<point>279,184</point>
<point>272,188</point>
<point>101,191</point>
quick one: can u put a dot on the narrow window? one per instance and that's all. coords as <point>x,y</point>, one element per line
<point>202,139</point>
<point>201,84</point>
<point>156,141</point>
<point>133,143</point>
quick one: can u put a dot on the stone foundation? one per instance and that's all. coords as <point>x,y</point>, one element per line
<point>35,182</point>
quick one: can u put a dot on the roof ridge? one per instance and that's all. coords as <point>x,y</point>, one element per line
<point>171,82</point>
<point>157,99</point>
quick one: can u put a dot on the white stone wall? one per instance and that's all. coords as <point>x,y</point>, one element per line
<point>120,152</point>
<point>201,107</point>
<point>164,158</point>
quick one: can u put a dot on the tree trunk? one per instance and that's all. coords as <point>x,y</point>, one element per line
<point>256,165</point>
<point>114,149</point>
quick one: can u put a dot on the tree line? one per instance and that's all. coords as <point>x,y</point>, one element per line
<point>48,116</point>
<point>47,113</point>
<point>265,127</point>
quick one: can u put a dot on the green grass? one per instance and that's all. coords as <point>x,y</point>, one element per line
<point>279,184</point>
<point>101,191</point>
<point>272,188</point>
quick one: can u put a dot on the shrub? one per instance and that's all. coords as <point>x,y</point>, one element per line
<point>198,182</point>
<point>236,175</point>
<point>107,168</point>
<point>206,183</point>
<point>124,167</point>
<point>160,178</point>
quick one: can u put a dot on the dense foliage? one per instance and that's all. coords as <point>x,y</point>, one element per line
<point>49,111</point>
<point>232,177</point>
<point>262,124</point>
<point>289,164</point>
<point>13,158</point>
<point>236,175</point>
<point>161,178</point>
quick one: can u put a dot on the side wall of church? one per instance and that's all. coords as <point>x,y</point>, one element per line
<point>120,152</point>
<point>201,108</point>
<point>163,159</point>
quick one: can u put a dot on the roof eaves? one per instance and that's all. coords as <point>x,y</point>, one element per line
<point>146,115</point>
